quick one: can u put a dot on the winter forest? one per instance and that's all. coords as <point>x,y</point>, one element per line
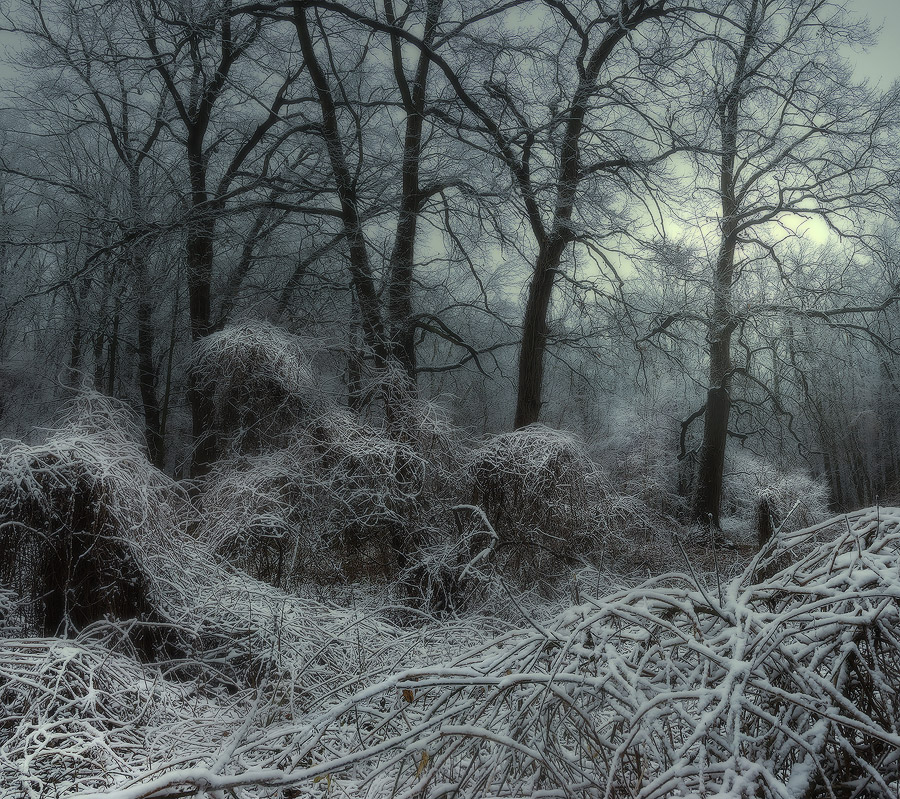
<point>448,398</point>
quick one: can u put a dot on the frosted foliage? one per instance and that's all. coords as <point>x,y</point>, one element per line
<point>261,381</point>
<point>784,687</point>
<point>332,501</point>
<point>78,515</point>
<point>793,497</point>
<point>542,494</point>
<point>641,457</point>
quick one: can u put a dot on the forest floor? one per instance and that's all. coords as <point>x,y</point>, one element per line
<point>776,678</point>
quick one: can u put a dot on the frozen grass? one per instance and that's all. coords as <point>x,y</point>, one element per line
<point>782,682</point>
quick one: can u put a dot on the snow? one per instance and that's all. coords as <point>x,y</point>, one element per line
<point>656,691</point>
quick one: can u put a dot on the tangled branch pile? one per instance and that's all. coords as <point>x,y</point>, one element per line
<point>783,682</point>
<point>260,381</point>
<point>78,516</point>
<point>83,713</point>
<point>789,687</point>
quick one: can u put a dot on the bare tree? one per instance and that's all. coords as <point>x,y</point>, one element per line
<point>132,125</point>
<point>195,51</point>
<point>377,175</point>
<point>791,137</point>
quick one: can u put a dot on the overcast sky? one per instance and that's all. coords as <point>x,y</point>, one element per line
<point>881,63</point>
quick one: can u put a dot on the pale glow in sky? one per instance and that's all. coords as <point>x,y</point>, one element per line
<point>810,227</point>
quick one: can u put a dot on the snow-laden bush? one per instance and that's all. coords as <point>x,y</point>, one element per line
<point>640,455</point>
<point>791,497</point>
<point>260,380</point>
<point>79,514</point>
<point>261,514</point>
<point>542,495</point>
<point>786,688</point>
<point>340,500</point>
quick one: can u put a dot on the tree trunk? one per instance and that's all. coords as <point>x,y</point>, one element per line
<point>711,466</point>
<point>199,257</point>
<point>79,298</point>
<point>765,524</point>
<point>399,300</point>
<point>552,243</point>
<point>113,351</point>
<point>708,492</point>
<point>360,270</point>
<point>534,336</point>
<point>402,264</point>
<point>147,382</point>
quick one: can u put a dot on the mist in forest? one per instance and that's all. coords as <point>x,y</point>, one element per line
<point>449,398</point>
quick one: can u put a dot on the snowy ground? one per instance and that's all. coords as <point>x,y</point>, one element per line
<point>780,682</point>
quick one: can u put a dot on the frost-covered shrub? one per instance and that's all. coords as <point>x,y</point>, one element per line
<point>259,512</point>
<point>340,500</point>
<point>640,456</point>
<point>540,492</point>
<point>260,380</point>
<point>753,486</point>
<point>78,514</point>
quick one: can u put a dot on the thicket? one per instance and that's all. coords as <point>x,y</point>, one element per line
<point>328,495</point>
<point>343,606</point>
<point>782,687</point>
